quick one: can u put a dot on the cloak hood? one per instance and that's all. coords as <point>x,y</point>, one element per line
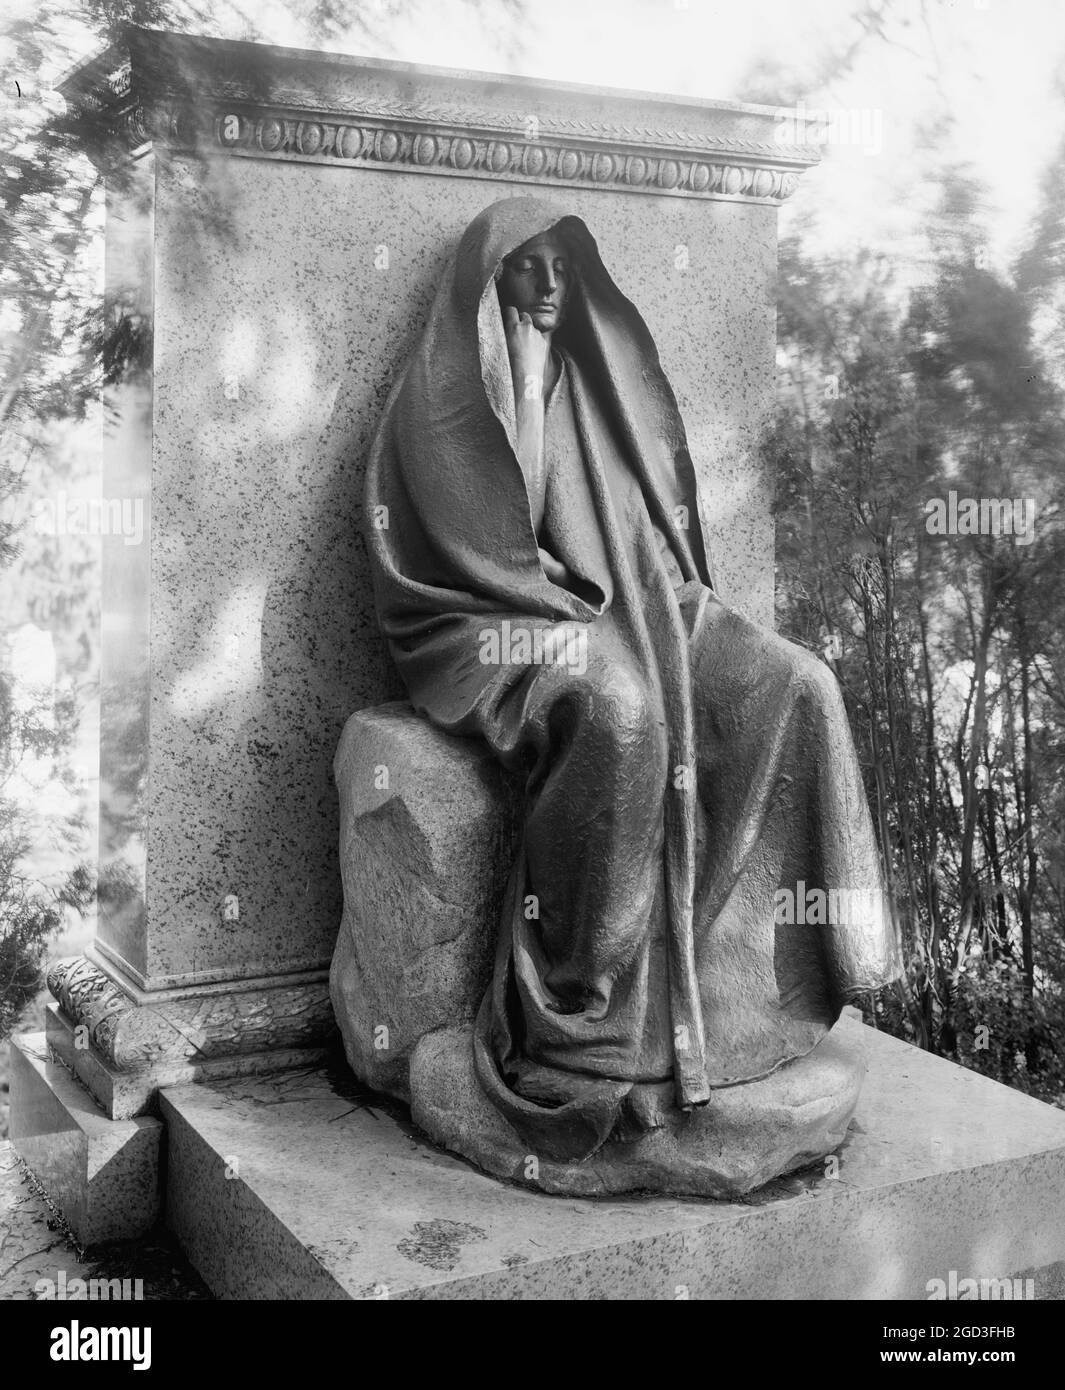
<point>449,524</point>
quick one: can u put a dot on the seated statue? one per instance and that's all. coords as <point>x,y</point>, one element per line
<point>543,581</point>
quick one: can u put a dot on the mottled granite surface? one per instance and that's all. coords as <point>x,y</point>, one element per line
<point>285,295</point>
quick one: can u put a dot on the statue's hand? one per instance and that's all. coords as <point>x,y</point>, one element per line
<point>528,350</point>
<point>555,570</point>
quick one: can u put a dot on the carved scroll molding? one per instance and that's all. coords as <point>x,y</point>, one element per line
<point>252,101</point>
<point>130,1034</point>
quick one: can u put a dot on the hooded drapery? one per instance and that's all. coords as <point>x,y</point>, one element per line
<point>682,766</point>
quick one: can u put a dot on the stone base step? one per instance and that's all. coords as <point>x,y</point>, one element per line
<point>103,1174</point>
<point>298,1186</point>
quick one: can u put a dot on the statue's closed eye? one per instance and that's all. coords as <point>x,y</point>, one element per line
<point>525,266</point>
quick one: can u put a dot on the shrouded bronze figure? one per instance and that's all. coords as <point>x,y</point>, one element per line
<point>544,585</point>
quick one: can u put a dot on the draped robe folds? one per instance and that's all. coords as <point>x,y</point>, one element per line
<point>681,764</point>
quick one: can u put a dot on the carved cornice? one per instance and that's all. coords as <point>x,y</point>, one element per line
<point>439,149</point>
<point>221,98</point>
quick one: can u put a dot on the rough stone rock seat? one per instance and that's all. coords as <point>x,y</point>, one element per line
<point>428,832</point>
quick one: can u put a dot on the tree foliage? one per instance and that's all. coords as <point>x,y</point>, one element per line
<point>895,394</point>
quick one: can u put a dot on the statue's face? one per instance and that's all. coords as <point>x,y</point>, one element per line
<point>536,280</point>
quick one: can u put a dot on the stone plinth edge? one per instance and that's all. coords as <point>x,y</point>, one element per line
<point>123,1043</point>
<point>103,1174</point>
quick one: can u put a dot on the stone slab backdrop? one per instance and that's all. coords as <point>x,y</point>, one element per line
<point>277,224</point>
